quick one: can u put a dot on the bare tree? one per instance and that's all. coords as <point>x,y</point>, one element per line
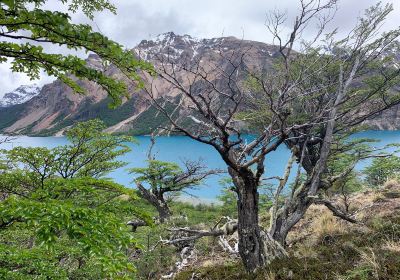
<point>310,99</point>
<point>334,103</point>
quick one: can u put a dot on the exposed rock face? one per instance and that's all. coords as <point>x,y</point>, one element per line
<point>20,95</point>
<point>57,107</point>
<point>387,120</point>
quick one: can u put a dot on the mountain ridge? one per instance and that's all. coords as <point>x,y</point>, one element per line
<point>56,107</point>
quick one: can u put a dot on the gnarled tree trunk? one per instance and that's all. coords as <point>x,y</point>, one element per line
<point>256,247</point>
<point>287,219</point>
<point>157,201</point>
<point>163,210</point>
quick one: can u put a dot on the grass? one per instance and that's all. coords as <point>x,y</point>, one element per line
<point>326,226</point>
<point>349,257</point>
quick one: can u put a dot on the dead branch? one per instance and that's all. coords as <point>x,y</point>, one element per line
<point>224,243</point>
<point>335,210</point>
<point>193,234</point>
<point>186,255</point>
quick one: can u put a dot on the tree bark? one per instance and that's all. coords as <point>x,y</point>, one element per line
<point>256,247</point>
<point>287,219</point>
<point>157,201</point>
<point>164,212</point>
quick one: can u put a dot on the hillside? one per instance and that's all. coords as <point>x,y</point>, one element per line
<point>57,107</point>
<point>322,246</point>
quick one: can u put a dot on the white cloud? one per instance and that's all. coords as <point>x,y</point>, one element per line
<point>10,81</point>
<point>138,19</point>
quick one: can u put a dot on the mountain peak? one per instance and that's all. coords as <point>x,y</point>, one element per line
<point>171,35</point>
<point>20,95</point>
<point>174,46</point>
<point>168,38</point>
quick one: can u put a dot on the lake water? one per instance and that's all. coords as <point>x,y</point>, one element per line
<point>178,148</point>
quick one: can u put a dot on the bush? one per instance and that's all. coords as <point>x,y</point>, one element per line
<point>382,169</point>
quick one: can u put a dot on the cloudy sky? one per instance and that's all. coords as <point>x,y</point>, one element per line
<point>137,20</point>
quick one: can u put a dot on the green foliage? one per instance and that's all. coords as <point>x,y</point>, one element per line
<point>91,152</point>
<point>346,153</point>
<point>61,214</point>
<point>9,115</point>
<point>168,177</point>
<point>159,182</point>
<point>96,233</point>
<point>154,261</point>
<point>228,198</point>
<point>382,169</point>
<point>38,26</point>
<point>150,120</point>
<point>158,174</point>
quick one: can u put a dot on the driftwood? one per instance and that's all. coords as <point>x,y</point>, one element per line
<point>186,255</point>
<point>193,234</point>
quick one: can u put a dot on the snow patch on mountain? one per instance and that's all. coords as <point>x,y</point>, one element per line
<point>173,47</point>
<point>20,95</point>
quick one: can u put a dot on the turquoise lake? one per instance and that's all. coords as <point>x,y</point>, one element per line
<point>178,148</point>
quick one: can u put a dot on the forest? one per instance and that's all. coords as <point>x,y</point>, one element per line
<point>62,217</point>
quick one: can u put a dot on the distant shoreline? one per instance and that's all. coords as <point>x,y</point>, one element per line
<point>59,134</point>
<point>198,200</point>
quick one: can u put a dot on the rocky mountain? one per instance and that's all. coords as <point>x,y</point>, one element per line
<point>57,107</point>
<point>20,95</point>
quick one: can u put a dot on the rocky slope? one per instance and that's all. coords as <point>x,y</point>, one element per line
<point>57,107</point>
<point>20,95</point>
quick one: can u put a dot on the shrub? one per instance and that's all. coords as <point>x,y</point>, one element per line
<point>382,169</point>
